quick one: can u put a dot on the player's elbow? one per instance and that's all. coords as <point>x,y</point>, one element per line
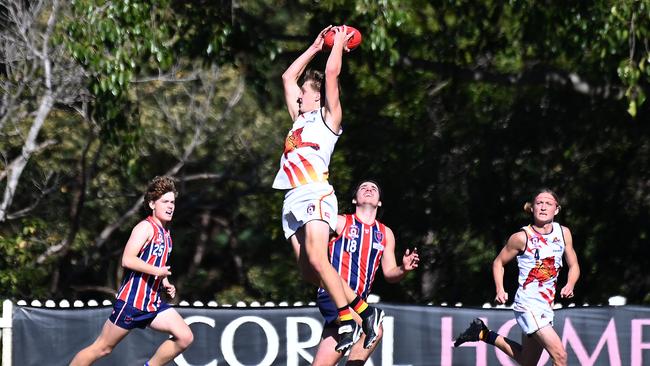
<point>288,74</point>
<point>576,270</point>
<point>391,278</point>
<point>332,71</point>
<point>126,262</point>
<point>497,264</point>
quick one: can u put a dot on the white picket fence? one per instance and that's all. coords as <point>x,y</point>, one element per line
<point>5,324</point>
<point>7,312</point>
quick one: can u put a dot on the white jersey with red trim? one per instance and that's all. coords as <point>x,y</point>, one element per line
<point>539,266</point>
<point>307,151</point>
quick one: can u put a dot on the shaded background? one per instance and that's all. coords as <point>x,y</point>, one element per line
<point>460,109</point>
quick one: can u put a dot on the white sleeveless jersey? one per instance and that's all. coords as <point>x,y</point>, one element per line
<point>307,152</point>
<point>539,266</point>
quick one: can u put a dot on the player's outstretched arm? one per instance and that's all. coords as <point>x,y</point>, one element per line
<point>392,272</point>
<point>515,244</point>
<point>292,73</point>
<point>140,235</point>
<point>571,259</point>
<point>333,110</point>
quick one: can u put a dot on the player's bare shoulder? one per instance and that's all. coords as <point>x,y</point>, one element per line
<point>389,232</point>
<point>143,229</point>
<point>517,240</point>
<point>566,233</point>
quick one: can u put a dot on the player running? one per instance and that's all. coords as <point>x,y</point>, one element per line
<point>539,248</point>
<point>138,301</point>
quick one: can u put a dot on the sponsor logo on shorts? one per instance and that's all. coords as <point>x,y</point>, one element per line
<point>310,209</point>
<point>127,320</point>
<point>327,214</point>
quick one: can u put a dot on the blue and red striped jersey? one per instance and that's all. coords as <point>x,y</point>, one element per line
<point>141,290</point>
<point>356,253</point>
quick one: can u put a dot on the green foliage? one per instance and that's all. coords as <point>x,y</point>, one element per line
<point>459,108</point>
<point>630,19</point>
<point>18,252</point>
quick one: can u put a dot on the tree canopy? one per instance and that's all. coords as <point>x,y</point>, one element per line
<point>459,109</point>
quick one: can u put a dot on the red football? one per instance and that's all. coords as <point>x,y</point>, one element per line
<point>353,43</point>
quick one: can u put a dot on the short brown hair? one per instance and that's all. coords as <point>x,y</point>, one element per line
<point>158,187</point>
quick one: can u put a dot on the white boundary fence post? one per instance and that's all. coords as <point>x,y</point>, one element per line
<point>6,324</point>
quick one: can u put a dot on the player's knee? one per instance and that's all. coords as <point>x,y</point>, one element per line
<point>185,339</point>
<point>103,350</point>
<point>317,264</point>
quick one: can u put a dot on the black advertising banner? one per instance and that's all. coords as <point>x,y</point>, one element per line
<point>413,335</point>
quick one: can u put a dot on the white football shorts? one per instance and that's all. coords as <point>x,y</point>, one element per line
<point>313,201</point>
<point>533,320</point>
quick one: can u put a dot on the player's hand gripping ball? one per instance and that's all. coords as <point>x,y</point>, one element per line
<point>353,43</point>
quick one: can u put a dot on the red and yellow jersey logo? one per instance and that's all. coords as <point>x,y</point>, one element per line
<point>294,141</point>
<point>543,271</point>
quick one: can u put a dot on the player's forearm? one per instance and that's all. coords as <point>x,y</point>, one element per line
<point>497,274</point>
<point>297,67</point>
<point>574,274</point>
<point>395,274</point>
<point>138,265</point>
<point>334,61</point>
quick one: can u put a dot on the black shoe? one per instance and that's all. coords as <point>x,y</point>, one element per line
<point>371,326</point>
<point>349,335</point>
<point>472,333</point>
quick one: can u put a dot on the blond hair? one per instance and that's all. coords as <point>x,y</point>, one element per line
<point>528,206</point>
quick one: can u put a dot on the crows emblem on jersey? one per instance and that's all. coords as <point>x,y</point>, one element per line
<point>379,236</point>
<point>543,271</point>
<point>294,141</point>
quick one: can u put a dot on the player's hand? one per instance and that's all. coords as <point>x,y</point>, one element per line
<point>501,297</point>
<point>163,271</point>
<point>341,35</point>
<point>320,39</point>
<point>171,290</point>
<point>410,260</point>
<point>567,292</point>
